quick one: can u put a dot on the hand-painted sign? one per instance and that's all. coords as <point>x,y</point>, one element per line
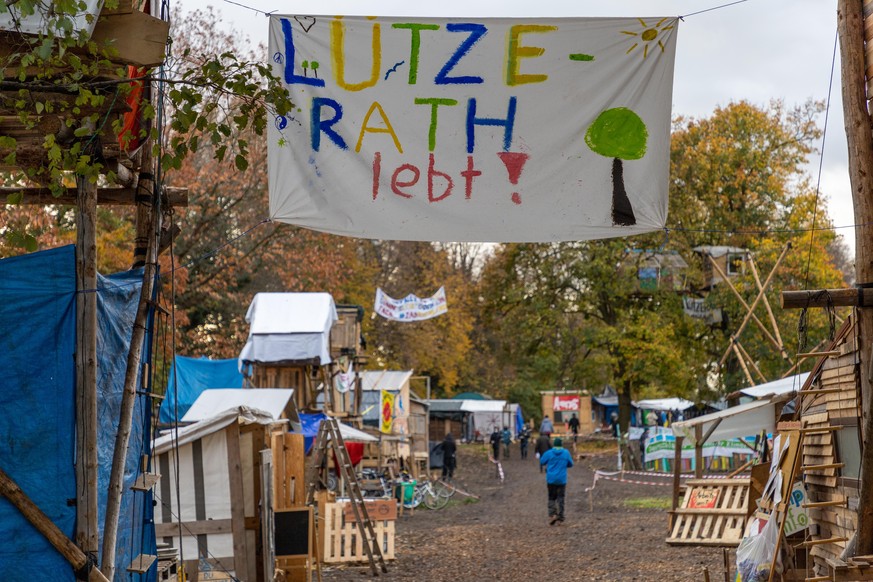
<point>472,129</point>
<point>566,403</point>
<point>387,412</point>
<point>411,307</point>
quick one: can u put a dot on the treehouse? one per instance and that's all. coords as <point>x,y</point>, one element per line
<point>721,263</point>
<point>658,271</point>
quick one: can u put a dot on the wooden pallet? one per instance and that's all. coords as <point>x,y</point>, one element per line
<point>713,513</point>
<point>342,540</point>
<point>858,568</point>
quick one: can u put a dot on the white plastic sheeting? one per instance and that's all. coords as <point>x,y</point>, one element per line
<point>287,327</point>
<point>780,386</point>
<point>665,404</point>
<point>210,403</point>
<point>736,422</point>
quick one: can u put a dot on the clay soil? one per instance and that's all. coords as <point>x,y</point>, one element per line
<point>505,534</point>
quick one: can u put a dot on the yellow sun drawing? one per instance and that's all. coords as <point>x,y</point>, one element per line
<point>649,35</point>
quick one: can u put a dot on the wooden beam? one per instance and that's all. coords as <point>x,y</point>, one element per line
<point>751,362</point>
<point>87,533</point>
<point>237,499</point>
<point>761,289</point>
<point>824,297</point>
<point>32,513</point>
<point>175,197</point>
<point>140,39</point>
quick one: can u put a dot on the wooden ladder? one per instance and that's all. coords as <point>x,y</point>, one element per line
<point>329,438</point>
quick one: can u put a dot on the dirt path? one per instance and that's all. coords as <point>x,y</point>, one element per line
<point>505,535</point>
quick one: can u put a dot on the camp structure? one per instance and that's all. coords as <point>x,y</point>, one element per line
<point>719,262</point>
<point>404,437</point>
<point>561,405</point>
<point>209,499</point>
<point>290,346</point>
<point>447,416</point>
<point>714,511</point>
<point>829,413</point>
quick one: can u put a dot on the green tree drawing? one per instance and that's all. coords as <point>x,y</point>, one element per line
<point>618,133</point>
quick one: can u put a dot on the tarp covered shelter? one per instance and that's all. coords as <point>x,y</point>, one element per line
<point>211,402</point>
<point>189,377</point>
<point>289,327</point>
<point>665,404</point>
<point>37,315</point>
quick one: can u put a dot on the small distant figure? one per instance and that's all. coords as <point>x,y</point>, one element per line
<point>495,439</point>
<point>614,425</point>
<point>506,438</point>
<point>664,420</point>
<point>542,445</point>
<point>523,439</point>
<point>546,427</point>
<point>450,460</point>
<point>574,427</point>
<point>652,418</point>
<point>556,460</point>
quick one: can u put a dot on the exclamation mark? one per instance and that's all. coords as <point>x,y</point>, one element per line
<point>514,162</point>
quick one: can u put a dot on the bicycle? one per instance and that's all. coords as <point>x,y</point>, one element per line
<point>426,492</point>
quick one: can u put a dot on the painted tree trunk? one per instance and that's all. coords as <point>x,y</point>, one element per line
<point>622,211</point>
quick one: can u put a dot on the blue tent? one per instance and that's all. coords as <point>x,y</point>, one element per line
<point>519,421</point>
<point>189,377</point>
<point>37,427</point>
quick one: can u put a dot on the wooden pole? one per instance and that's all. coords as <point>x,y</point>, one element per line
<point>761,290</point>
<point>742,363</point>
<point>87,535</point>
<point>827,297</point>
<point>742,301</point>
<point>128,400</point>
<point>32,513</point>
<point>850,26</point>
<point>751,362</point>
<point>750,313</point>
<point>698,451</point>
<point>677,475</point>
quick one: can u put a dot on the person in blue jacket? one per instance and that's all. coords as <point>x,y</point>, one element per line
<point>556,460</point>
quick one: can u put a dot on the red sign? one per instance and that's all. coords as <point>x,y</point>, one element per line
<point>566,403</point>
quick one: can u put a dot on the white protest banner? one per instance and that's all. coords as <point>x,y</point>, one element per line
<point>481,129</point>
<point>411,307</point>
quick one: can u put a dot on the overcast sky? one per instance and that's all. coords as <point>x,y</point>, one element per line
<point>756,50</point>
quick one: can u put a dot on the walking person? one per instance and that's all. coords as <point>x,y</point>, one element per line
<point>556,460</point>
<point>495,439</point>
<point>523,439</point>
<point>542,445</point>
<point>574,427</point>
<point>450,461</point>
<point>546,426</point>
<point>506,438</point>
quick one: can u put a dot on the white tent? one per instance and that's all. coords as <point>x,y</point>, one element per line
<point>486,415</point>
<point>665,404</point>
<point>289,327</point>
<point>780,386</point>
<point>736,422</point>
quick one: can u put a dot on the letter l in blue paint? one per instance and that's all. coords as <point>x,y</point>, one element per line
<point>473,121</point>
<point>290,76</point>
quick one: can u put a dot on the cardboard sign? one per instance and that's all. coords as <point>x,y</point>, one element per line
<point>378,510</point>
<point>472,129</point>
<point>703,498</point>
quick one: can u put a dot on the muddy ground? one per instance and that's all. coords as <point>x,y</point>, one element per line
<point>505,535</point>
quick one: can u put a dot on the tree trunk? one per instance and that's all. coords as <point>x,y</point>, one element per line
<point>622,211</point>
<point>860,142</point>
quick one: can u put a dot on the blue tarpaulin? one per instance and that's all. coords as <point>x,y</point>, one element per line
<point>309,424</point>
<point>37,427</point>
<point>192,376</point>
<point>519,420</point>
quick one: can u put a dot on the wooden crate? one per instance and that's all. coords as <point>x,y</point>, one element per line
<point>342,540</point>
<point>712,513</point>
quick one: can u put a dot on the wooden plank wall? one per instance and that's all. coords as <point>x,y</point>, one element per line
<point>835,403</point>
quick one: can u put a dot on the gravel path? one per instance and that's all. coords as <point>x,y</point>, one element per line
<point>505,534</point>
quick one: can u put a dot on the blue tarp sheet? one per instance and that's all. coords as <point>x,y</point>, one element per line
<point>37,427</point>
<point>309,427</point>
<point>193,376</point>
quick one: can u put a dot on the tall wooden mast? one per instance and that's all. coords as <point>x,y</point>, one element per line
<point>852,16</point>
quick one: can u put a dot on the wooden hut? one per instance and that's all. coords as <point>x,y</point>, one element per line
<point>730,261</point>
<point>829,410</point>
<point>215,519</point>
<point>290,346</point>
<point>561,405</point>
